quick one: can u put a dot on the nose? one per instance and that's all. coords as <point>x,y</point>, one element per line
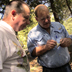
<point>46,20</point>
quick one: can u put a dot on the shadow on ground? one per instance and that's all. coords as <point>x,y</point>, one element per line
<point>34,66</point>
<point>70,51</point>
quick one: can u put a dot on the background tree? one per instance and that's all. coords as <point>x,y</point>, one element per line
<point>69,4</point>
<point>54,10</point>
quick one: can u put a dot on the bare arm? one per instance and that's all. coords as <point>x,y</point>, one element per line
<point>44,48</point>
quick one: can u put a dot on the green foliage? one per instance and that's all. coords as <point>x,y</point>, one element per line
<point>59,8</point>
<point>34,3</point>
<point>52,17</point>
<point>68,25</point>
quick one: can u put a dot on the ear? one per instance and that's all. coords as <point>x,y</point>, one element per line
<point>36,18</point>
<point>13,12</point>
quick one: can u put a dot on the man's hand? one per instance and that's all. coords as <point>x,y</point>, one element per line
<point>65,42</point>
<point>50,44</point>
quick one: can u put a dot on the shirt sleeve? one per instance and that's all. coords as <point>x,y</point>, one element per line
<point>65,32</point>
<point>1,66</point>
<point>30,45</point>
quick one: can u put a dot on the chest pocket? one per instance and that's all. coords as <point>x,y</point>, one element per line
<point>59,34</point>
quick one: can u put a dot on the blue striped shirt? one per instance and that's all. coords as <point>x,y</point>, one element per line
<point>55,57</point>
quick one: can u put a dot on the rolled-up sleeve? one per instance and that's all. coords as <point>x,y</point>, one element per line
<point>30,45</point>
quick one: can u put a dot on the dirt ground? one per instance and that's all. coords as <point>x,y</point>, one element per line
<point>35,67</point>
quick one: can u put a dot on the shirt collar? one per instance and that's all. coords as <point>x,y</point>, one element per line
<point>44,29</point>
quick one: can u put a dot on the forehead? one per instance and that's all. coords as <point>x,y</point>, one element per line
<point>43,14</point>
<point>42,11</point>
<point>26,10</point>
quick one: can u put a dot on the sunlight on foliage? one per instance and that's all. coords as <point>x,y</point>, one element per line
<point>52,17</point>
<point>68,25</point>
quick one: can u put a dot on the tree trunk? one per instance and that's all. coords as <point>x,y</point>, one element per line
<point>54,11</point>
<point>69,7</point>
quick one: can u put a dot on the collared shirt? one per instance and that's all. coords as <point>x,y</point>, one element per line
<point>11,59</point>
<point>55,57</point>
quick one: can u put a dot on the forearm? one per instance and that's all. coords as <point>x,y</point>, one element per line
<point>39,50</point>
<point>44,48</point>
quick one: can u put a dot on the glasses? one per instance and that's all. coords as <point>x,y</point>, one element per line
<point>43,19</point>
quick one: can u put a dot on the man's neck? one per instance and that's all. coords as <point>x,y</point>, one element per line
<point>48,30</point>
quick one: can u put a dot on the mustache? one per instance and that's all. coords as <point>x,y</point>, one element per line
<point>46,23</point>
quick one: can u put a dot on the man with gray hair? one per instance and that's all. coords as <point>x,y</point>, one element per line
<point>12,57</point>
